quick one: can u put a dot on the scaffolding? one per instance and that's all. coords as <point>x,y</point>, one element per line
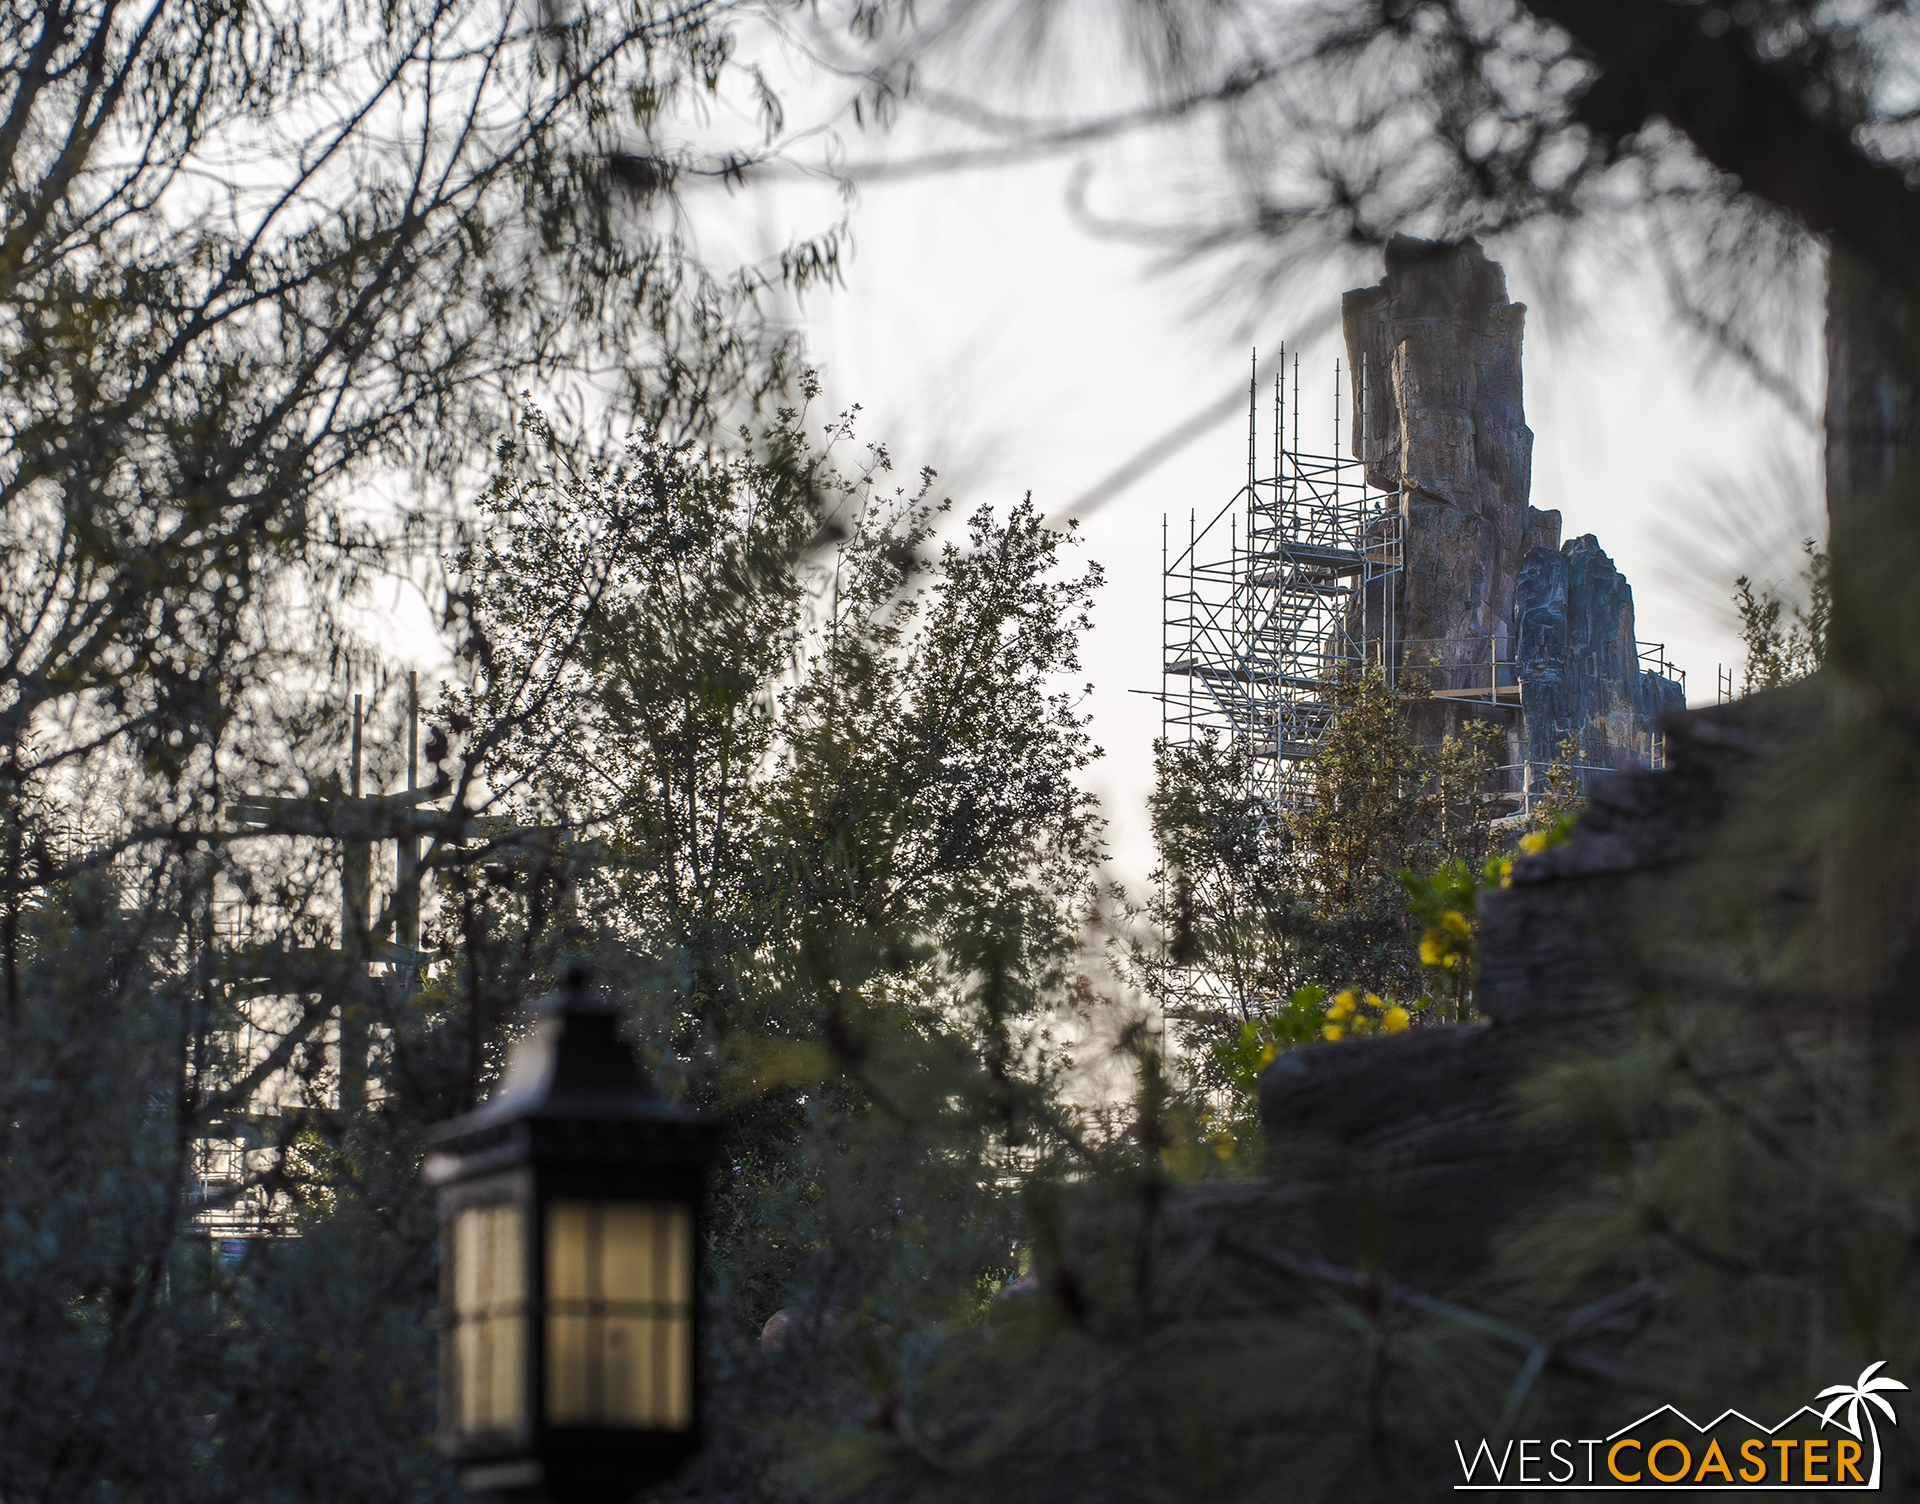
<point>1297,578</point>
<point>376,955</point>
<point>1653,660</point>
<point>1292,580</point>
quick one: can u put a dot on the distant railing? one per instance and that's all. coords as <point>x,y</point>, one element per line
<point>1653,659</point>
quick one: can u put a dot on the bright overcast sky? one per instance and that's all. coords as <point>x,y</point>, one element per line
<point>985,332</point>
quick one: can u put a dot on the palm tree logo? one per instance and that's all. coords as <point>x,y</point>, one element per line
<point>1859,1397</point>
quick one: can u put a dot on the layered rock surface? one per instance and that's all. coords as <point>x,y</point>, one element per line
<point>1438,1111</point>
<point>1487,595</point>
<point>1584,697</point>
<point>1439,419</point>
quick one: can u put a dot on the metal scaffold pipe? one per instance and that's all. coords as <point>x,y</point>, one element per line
<point>1290,584</point>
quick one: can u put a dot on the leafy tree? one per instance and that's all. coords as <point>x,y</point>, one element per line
<point>258,266</point>
<point>838,852</point>
<point>1777,653</point>
<point>1264,908</point>
<point>1228,897</point>
<point>1561,796</point>
<point>1382,805</point>
<point>1445,903</point>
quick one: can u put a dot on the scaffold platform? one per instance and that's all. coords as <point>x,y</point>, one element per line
<point>1264,603</point>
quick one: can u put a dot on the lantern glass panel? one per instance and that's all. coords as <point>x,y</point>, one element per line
<point>619,1314</point>
<point>489,1297</point>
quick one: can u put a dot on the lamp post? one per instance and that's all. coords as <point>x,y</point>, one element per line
<point>570,1215</point>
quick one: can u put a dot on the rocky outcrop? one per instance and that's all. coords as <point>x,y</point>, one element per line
<point>1437,1113</point>
<point>1584,697</point>
<point>1487,597</point>
<point>1439,419</point>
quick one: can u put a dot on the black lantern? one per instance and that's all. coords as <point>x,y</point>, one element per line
<point>570,1206</point>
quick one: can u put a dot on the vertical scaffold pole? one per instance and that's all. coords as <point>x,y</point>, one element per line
<point>1163,627</point>
<point>356,892</point>
<point>1364,438</point>
<point>1253,396</point>
<point>1278,384</point>
<point>1395,546</point>
<point>1336,421</point>
<point>406,859</point>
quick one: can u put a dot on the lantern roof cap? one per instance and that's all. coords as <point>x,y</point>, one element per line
<point>571,1066</point>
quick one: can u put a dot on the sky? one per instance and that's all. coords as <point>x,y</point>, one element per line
<point>986,331</point>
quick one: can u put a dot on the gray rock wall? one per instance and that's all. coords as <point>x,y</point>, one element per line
<point>1439,419</point>
<point>1575,655</point>
<point>1438,1110</point>
<point>1436,346</point>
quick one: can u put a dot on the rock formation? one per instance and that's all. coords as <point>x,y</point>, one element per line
<point>1438,418</point>
<point>1487,598</point>
<point>1578,664</point>
<point>1437,1110</point>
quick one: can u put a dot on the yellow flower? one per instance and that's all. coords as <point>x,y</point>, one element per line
<point>1431,953</point>
<point>1534,844</point>
<point>1456,922</point>
<point>1342,1005</point>
<point>1373,1001</point>
<point>1397,1019</point>
<point>1332,1031</point>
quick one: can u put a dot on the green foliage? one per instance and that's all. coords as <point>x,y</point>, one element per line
<point>1311,1014</point>
<point>1557,832</point>
<point>1239,1058</point>
<point>1227,895</point>
<point>1255,907</point>
<point>1560,799</point>
<point>1779,652</point>
<point>1300,1019</point>
<point>1446,904</point>
<point>833,847</point>
<point>800,778</point>
<point>1379,802</point>
<point>1381,805</point>
<point>267,275</point>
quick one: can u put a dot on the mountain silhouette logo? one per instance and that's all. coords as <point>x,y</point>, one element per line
<point>1838,1447</point>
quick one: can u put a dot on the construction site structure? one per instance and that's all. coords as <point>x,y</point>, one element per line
<point>1295,578</point>
<point>1298,577</point>
<point>1412,547</point>
<point>336,995</point>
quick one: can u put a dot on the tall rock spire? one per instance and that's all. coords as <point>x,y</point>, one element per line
<point>1439,419</point>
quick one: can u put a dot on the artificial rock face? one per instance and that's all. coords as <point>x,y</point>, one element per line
<point>1575,655</point>
<point>1439,419</point>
